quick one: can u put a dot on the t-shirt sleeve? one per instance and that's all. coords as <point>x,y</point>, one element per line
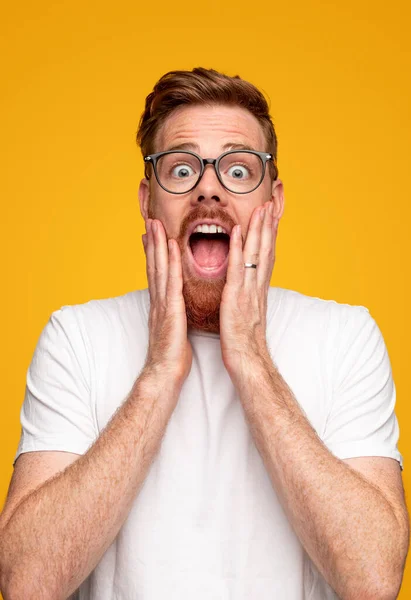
<point>56,413</point>
<point>362,421</point>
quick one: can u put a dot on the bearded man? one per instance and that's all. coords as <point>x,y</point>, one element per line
<point>209,436</point>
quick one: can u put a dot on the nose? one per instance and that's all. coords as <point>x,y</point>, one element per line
<point>209,190</point>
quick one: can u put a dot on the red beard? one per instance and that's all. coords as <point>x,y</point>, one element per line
<point>202,299</point>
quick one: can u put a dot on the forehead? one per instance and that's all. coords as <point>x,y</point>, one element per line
<point>210,128</point>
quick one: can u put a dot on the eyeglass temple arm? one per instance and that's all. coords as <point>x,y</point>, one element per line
<point>147,159</point>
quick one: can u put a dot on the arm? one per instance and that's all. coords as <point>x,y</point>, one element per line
<point>353,526</point>
<point>333,509</point>
<point>43,555</point>
<point>95,493</point>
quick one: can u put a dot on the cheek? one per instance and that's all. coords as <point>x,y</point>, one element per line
<point>170,220</point>
<point>162,208</point>
<point>244,218</point>
<point>254,200</point>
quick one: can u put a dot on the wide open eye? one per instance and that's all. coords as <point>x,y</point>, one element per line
<point>238,172</point>
<point>182,171</point>
<point>241,172</point>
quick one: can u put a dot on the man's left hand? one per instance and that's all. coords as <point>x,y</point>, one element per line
<point>243,307</point>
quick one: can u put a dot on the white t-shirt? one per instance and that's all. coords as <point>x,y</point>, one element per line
<point>207,523</point>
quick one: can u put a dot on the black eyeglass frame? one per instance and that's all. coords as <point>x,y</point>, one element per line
<point>263,156</point>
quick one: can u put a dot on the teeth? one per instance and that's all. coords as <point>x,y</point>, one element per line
<point>209,229</point>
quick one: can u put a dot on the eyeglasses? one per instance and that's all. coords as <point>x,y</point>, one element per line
<point>179,172</point>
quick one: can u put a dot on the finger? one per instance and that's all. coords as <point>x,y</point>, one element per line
<point>235,268</point>
<point>251,251</point>
<point>265,267</point>
<point>161,259</point>
<point>150,261</point>
<point>175,273</point>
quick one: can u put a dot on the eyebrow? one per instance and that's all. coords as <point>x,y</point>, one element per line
<point>195,148</point>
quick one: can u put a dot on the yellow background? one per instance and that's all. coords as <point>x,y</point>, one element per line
<point>75,76</point>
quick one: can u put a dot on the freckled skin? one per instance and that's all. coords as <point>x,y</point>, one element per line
<point>210,128</point>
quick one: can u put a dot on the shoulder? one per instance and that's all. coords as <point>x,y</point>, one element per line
<point>293,305</point>
<point>129,307</point>
<point>100,323</point>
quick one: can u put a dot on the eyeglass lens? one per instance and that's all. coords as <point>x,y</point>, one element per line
<point>240,172</point>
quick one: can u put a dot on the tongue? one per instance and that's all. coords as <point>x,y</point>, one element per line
<point>209,253</point>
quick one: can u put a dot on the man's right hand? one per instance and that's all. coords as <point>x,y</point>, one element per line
<point>169,349</point>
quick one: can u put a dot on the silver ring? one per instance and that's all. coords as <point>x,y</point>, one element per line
<point>250,265</point>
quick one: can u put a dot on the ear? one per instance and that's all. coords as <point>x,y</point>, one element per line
<point>144,197</point>
<point>277,197</point>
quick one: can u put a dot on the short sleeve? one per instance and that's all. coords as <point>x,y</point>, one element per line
<point>56,413</point>
<point>362,421</point>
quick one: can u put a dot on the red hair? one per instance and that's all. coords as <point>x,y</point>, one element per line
<point>202,86</point>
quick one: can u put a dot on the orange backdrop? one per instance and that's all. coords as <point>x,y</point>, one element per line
<point>75,76</point>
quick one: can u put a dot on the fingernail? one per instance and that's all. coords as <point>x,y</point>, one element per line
<point>154,226</point>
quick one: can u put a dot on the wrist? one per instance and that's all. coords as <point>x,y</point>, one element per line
<point>257,374</point>
<point>243,363</point>
<point>161,377</point>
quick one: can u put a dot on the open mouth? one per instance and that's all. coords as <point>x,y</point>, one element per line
<point>209,253</point>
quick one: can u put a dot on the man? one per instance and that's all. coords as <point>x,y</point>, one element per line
<point>210,436</point>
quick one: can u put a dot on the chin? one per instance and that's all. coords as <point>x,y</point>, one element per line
<point>202,299</point>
